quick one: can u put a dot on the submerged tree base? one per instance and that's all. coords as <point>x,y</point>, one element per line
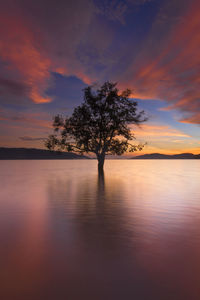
<point>100,170</point>
<point>101,160</point>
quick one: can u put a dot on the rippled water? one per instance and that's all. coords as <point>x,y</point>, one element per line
<point>67,234</point>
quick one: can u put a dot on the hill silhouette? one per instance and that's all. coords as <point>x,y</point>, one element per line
<point>32,153</point>
<point>165,156</point>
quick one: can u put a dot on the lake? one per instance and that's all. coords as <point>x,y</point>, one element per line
<point>66,233</point>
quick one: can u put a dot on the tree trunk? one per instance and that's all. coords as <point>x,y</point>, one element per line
<point>101,159</point>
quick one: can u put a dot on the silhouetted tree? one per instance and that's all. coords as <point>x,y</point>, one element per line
<point>99,125</point>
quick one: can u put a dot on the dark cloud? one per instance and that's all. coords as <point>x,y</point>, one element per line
<point>13,87</point>
<point>31,139</point>
<point>116,10</point>
<point>27,119</point>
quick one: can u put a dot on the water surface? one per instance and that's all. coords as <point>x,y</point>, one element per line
<point>65,233</point>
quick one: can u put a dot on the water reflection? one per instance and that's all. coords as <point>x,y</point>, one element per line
<point>71,234</point>
<point>93,243</point>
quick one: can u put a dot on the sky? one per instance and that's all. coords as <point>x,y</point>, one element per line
<point>50,50</point>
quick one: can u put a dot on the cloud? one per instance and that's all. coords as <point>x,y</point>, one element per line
<point>114,10</point>
<point>117,10</point>
<point>22,59</point>
<point>194,118</point>
<point>13,86</point>
<point>38,39</point>
<point>163,131</point>
<point>168,66</point>
<point>31,139</point>
<point>26,119</point>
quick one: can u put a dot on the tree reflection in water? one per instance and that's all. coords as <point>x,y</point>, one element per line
<point>93,252</point>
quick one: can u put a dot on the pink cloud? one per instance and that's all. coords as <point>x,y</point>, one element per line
<point>167,68</point>
<point>34,43</point>
<point>23,59</point>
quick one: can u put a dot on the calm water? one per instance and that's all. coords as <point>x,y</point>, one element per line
<point>67,234</point>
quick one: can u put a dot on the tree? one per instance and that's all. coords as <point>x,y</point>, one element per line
<point>99,125</point>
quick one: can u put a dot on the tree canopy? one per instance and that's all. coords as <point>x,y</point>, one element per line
<point>99,125</point>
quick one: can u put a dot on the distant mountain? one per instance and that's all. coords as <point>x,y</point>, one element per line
<point>31,153</point>
<point>164,156</point>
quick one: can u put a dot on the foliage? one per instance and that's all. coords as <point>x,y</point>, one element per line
<point>99,125</point>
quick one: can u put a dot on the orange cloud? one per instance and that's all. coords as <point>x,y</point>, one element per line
<point>164,139</point>
<point>158,131</point>
<point>194,119</point>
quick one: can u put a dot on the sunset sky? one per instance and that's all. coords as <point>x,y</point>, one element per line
<point>50,50</point>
